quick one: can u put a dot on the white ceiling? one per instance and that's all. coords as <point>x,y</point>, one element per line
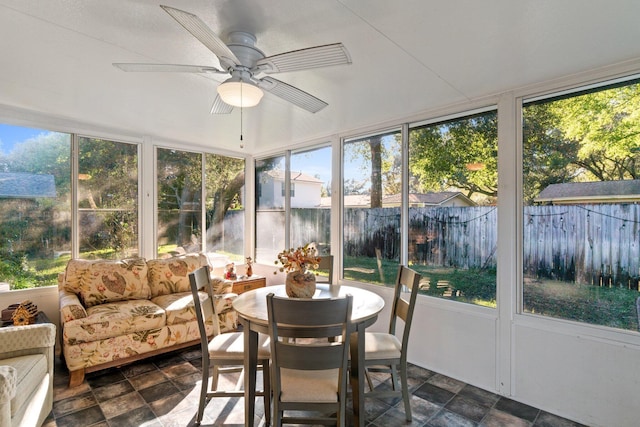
<point>408,57</point>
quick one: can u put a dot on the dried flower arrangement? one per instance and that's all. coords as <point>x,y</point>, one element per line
<point>300,259</point>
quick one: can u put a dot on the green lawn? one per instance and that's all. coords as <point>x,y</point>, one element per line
<point>614,307</point>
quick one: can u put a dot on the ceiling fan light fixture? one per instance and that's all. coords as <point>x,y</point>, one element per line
<point>239,93</point>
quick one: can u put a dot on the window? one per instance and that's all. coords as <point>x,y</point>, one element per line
<point>453,189</point>
<point>371,217</point>
<point>179,201</point>
<point>581,163</point>
<point>293,189</point>
<point>107,199</point>
<point>35,205</point>
<point>311,206</point>
<point>270,214</point>
<point>224,182</point>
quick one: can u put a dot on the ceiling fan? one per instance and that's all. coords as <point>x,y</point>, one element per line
<point>248,66</point>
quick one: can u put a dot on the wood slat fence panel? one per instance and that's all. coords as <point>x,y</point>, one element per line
<point>596,244</point>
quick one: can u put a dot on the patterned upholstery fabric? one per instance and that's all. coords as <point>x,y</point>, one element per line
<point>113,319</point>
<point>178,307</point>
<point>113,310</point>
<point>85,354</point>
<point>99,282</point>
<point>171,275</point>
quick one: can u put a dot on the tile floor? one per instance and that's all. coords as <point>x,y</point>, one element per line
<point>163,391</point>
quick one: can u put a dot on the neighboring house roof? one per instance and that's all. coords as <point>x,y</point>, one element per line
<point>278,175</point>
<point>423,199</point>
<point>26,185</point>
<point>591,192</point>
<point>428,199</point>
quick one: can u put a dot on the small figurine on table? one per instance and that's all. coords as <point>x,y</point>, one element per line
<point>230,271</point>
<point>249,262</point>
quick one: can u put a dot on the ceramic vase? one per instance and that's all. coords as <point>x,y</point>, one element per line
<point>300,284</point>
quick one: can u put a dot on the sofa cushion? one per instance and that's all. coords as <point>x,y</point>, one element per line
<point>171,275</point>
<point>102,281</point>
<point>30,369</point>
<point>112,319</point>
<point>179,307</point>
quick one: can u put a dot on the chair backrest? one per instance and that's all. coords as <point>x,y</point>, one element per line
<point>402,308</point>
<point>309,318</point>
<point>204,303</point>
<point>325,266</point>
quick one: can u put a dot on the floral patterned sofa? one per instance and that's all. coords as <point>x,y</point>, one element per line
<point>116,312</point>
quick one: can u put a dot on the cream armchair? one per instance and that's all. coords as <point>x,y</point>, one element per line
<point>26,374</point>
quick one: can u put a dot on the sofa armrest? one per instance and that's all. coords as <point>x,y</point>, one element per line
<point>221,286</point>
<point>27,339</point>
<point>8,383</point>
<point>70,306</point>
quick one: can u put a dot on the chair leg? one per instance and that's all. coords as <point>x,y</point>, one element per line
<point>266,385</point>
<point>394,377</point>
<point>405,391</point>
<point>204,388</point>
<point>366,374</point>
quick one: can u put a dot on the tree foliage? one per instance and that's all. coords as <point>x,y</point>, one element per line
<point>439,156</point>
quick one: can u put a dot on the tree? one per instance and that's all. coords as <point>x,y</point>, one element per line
<point>379,156</point>
<point>590,137</point>
<point>441,155</point>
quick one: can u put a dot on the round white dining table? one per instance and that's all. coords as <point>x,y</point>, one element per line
<point>251,307</point>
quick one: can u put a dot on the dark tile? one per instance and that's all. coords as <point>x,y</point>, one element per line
<point>74,404</point>
<point>147,379</point>
<point>83,418</point>
<point>446,383</point>
<point>167,404</point>
<point>137,417</point>
<point>122,404</point>
<point>158,391</point>
<point>188,382</point>
<point>434,394</point>
<point>422,409</point>
<point>446,418</point>
<point>103,378</point>
<point>137,369</point>
<point>546,419</point>
<point>518,409</point>
<point>496,418</point>
<point>179,369</point>
<point>112,391</point>
<point>167,360</point>
<point>467,408</point>
<point>479,396</point>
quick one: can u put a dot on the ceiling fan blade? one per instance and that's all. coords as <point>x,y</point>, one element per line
<point>167,68</point>
<point>220,107</point>
<point>292,94</point>
<point>207,37</point>
<point>304,59</point>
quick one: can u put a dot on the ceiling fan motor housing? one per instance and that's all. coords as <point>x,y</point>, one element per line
<point>242,44</point>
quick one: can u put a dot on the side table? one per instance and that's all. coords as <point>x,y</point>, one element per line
<point>247,284</point>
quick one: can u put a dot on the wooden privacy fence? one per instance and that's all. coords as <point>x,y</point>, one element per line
<point>594,244</point>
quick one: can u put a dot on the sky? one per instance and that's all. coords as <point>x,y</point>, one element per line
<point>10,135</point>
<point>315,163</point>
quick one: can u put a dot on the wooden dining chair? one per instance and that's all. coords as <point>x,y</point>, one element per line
<point>223,352</point>
<point>309,375</point>
<point>385,352</point>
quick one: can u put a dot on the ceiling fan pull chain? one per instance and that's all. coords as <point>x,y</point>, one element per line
<point>241,143</point>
